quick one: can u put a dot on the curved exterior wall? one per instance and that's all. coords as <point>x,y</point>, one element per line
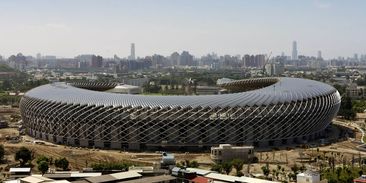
<point>285,110</point>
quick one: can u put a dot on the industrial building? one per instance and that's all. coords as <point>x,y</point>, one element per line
<point>257,112</point>
<point>227,152</point>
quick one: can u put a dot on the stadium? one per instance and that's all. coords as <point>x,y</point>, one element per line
<point>259,112</point>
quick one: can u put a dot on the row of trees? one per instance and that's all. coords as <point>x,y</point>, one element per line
<point>226,167</point>
<point>44,162</point>
<point>280,174</point>
<point>25,157</point>
<point>111,166</point>
<point>188,164</point>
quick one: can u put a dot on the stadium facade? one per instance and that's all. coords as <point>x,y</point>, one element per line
<point>259,112</point>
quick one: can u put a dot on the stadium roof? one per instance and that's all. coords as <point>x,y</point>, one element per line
<point>282,91</point>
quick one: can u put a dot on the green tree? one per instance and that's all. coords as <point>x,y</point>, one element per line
<point>238,165</point>
<point>23,155</point>
<point>227,167</point>
<point>346,109</point>
<point>192,164</point>
<point>62,163</point>
<point>2,152</point>
<point>42,158</point>
<point>111,166</point>
<point>7,85</point>
<point>265,170</point>
<point>217,168</point>
<point>43,167</point>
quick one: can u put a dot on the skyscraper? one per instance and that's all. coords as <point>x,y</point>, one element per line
<point>132,56</point>
<point>294,50</point>
<point>319,55</point>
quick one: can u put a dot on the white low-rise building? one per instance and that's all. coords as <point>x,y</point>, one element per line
<point>227,152</point>
<point>308,177</point>
<point>126,89</point>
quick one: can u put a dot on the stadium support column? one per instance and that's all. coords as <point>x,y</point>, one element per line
<point>134,146</point>
<point>116,145</point>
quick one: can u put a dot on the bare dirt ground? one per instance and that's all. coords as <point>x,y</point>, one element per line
<point>83,157</point>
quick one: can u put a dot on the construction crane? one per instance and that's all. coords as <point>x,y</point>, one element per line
<point>266,62</point>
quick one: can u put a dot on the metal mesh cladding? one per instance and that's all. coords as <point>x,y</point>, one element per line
<point>282,111</point>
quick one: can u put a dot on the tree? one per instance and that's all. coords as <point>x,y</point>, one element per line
<point>346,108</point>
<point>23,155</point>
<point>62,163</point>
<point>42,158</point>
<point>6,85</point>
<point>2,152</point>
<point>110,166</point>
<point>192,164</point>
<point>227,167</point>
<point>43,167</point>
<point>265,170</point>
<point>217,168</point>
<point>238,165</point>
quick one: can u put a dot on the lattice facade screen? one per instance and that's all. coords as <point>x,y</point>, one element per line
<point>282,111</point>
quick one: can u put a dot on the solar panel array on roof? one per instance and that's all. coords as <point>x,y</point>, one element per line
<point>268,111</point>
<point>285,90</point>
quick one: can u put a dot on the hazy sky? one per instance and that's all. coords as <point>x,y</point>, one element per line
<point>66,28</point>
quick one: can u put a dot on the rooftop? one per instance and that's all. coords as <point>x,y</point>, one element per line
<point>284,90</point>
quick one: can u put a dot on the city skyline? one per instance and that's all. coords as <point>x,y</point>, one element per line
<point>70,28</point>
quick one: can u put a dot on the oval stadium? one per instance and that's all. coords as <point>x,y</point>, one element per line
<point>260,112</point>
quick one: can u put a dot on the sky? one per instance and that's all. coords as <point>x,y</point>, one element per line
<point>67,28</point>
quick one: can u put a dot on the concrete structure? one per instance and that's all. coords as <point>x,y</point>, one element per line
<point>308,177</point>
<point>227,152</point>
<point>207,90</point>
<point>126,89</point>
<point>258,112</point>
<point>274,69</point>
<point>228,178</point>
<point>356,92</point>
<point>319,56</point>
<point>167,160</point>
<point>132,55</point>
<point>361,179</point>
<point>294,50</point>
<point>3,124</point>
<point>19,172</point>
<point>115,177</point>
<point>200,175</point>
<point>185,59</point>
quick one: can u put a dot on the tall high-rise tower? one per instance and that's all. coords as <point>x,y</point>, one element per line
<point>132,56</point>
<point>319,57</point>
<point>294,50</point>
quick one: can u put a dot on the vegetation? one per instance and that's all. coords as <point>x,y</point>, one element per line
<point>2,152</point>
<point>6,68</point>
<point>62,163</point>
<point>24,155</point>
<point>341,89</point>
<point>227,167</point>
<point>342,174</point>
<point>188,164</point>
<point>111,166</point>
<point>151,88</point>
<point>17,81</point>
<point>238,165</point>
<point>346,109</point>
<point>42,158</point>
<point>43,166</point>
<point>359,105</point>
<point>216,168</point>
<point>265,170</point>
